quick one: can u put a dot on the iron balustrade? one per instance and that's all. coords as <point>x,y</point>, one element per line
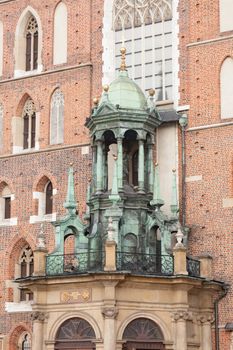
<point>78,263</point>
<point>193,267</point>
<point>145,264</point>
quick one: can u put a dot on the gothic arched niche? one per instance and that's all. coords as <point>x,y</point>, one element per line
<point>143,333</point>
<point>75,333</point>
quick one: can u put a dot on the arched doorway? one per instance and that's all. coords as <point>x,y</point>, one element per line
<point>75,334</point>
<point>143,334</point>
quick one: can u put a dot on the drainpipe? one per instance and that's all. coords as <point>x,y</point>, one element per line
<point>216,316</point>
<point>183,121</point>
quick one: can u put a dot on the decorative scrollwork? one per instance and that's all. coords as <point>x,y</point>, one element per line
<point>207,318</point>
<point>74,263</point>
<point>182,315</point>
<point>193,267</point>
<point>39,316</point>
<point>146,264</point>
<point>110,312</point>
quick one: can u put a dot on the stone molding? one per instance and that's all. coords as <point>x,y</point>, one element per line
<point>39,316</point>
<point>207,318</point>
<point>110,312</point>
<point>182,316</point>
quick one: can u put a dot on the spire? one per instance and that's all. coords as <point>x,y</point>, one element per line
<point>174,203</point>
<point>70,202</point>
<point>114,196</point>
<point>156,201</point>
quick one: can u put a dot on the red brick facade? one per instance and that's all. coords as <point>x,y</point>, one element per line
<point>80,80</point>
<point>203,48</point>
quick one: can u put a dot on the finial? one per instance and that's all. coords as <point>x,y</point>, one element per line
<point>152,92</point>
<point>95,101</point>
<point>179,238</point>
<point>106,88</point>
<point>123,64</point>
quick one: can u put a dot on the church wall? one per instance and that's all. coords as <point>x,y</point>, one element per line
<point>208,143</point>
<point>80,80</point>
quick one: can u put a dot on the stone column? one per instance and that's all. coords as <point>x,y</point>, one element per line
<point>38,319</point>
<point>150,167</point>
<point>94,167</point>
<point>120,163</point>
<point>206,339</point>
<point>141,166</point>
<point>110,313</point>
<point>180,317</point>
<point>99,167</point>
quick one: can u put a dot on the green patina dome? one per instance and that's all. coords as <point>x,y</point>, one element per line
<point>124,92</point>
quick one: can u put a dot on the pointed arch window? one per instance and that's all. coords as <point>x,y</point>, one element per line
<point>29,124</point>
<point>32,44</point>
<point>26,263</point>
<point>144,27</point>
<point>49,198</point>
<point>26,343</point>
<point>57,118</point>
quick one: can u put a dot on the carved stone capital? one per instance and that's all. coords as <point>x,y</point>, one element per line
<point>206,318</point>
<point>110,312</point>
<point>182,316</point>
<point>39,316</point>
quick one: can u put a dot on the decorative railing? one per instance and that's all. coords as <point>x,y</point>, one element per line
<point>145,264</point>
<point>193,267</point>
<point>92,261</point>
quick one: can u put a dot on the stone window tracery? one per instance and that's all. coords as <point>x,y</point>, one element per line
<point>144,27</point>
<point>57,118</point>
<point>26,263</point>
<point>29,124</point>
<point>32,44</point>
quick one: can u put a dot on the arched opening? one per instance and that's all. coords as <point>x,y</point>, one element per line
<point>130,159</point>
<point>75,333</point>
<point>143,333</point>
<point>110,154</point>
<point>130,243</point>
<point>5,202</point>
<point>49,198</point>
<point>60,34</point>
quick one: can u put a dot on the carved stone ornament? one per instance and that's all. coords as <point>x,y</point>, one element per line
<point>39,316</point>
<point>182,316</point>
<point>209,318</point>
<point>110,312</point>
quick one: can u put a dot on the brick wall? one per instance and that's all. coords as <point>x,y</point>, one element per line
<point>80,81</point>
<point>208,150</point>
